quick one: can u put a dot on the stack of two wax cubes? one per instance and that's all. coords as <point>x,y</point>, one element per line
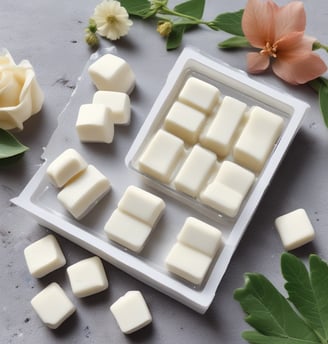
<point>114,79</point>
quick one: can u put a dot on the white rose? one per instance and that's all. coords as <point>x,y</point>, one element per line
<point>20,93</point>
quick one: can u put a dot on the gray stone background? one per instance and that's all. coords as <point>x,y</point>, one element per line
<point>50,34</point>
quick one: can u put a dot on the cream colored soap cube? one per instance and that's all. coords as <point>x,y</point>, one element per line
<point>200,236</point>
<point>161,156</point>
<point>235,177</point>
<point>127,231</point>
<point>112,73</point>
<point>66,166</point>
<point>131,312</point>
<point>184,122</point>
<point>195,171</point>
<point>188,263</point>
<point>117,102</point>
<point>222,198</point>
<point>82,194</point>
<point>257,139</point>
<point>141,204</point>
<point>94,123</point>
<point>199,94</point>
<point>295,229</point>
<point>53,306</point>
<point>44,256</point>
<point>222,131</point>
<point>87,277</point>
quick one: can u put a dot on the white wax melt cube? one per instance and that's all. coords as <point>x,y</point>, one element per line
<point>117,102</point>
<point>87,277</point>
<point>295,229</point>
<point>221,132</point>
<point>200,236</point>
<point>94,123</point>
<point>127,231</point>
<point>235,177</point>
<point>131,312</point>
<point>257,139</point>
<point>184,122</point>
<point>44,256</point>
<point>195,171</point>
<point>192,256</point>
<point>142,205</point>
<point>82,194</point>
<point>228,189</point>
<point>66,166</point>
<point>161,156</point>
<point>199,94</point>
<point>112,73</point>
<point>188,263</point>
<point>53,306</point>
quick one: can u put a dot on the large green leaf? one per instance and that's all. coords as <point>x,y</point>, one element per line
<point>308,292</point>
<point>234,42</point>
<point>254,337</point>
<point>270,313</point>
<point>323,100</point>
<point>175,37</point>
<point>229,22</point>
<point>140,8</point>
<point>9,145</point>
<point>194,8</point>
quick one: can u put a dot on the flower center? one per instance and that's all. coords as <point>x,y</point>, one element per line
<point>111,19</point>
<point>270,50</point>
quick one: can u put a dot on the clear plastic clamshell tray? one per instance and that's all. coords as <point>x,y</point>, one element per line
<point>118,161</point>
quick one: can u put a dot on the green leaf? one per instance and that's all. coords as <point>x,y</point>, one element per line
<point>323,101</point>
<point>257,338</point>
<point>139,8</point>
<point>175,37</point>
<point>234,42</point>
<point>270,314</point>
<point>308,292</point>
<point>229,22</point>
<point>194,8</point>
<point>9,145</point>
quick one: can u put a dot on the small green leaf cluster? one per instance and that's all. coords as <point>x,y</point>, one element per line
<point>10,147</point>
<point>302,318</point>
<point>182,17</point>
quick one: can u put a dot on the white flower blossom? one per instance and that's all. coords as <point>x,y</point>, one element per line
<point>112,19</point>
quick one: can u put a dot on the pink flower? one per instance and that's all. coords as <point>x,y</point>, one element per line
<point>279,33</point>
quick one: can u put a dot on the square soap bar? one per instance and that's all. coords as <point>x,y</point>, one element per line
<point>161,156</point>
<point>112,73</point>
<point>200,236</point>
<point>199,94</point>
<point>221,132</point>
<point>82,193</point>
<point>66,166</point>
<point>295,229</point>
<point>188,263</point>
<point>117,102</point>
<point>94,123</point>
<point>195,171</point>
<point>141,204</point>
<point>53,306</point>
<point>44,256</point>
<point>131,312</point>
<point>87,277</point>
<point>184,122</point>
<point>257,139</point>
<point>127,231</point>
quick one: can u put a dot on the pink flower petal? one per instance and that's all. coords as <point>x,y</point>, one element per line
<point>257,63</point>
<point>307,68</point>
<point>289,18</point>
<point>258,22</point>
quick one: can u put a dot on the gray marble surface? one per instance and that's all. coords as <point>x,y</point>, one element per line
<point>50,34</point>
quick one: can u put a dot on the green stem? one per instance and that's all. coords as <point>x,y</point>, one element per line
<point>166,10</point>
<point>318,45</point>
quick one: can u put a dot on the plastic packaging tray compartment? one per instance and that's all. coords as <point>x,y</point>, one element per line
<point>39,196</point>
